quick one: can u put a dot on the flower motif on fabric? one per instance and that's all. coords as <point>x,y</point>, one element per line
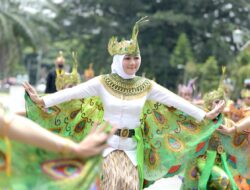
<point>159,118</point>
<point>73,114</point>
<point>189,125</point>
<point>146,128</point>
<point>152,159</point>
<point>173,143</point>
<point>201,146</point>
<point>52,111</point>
<point>171,109</point>
<point>239,139</point>
<point>193,173</point>
<point>56,130</point>
<point>62,169</point>
<point>80,126</point>
<point>174,169</point>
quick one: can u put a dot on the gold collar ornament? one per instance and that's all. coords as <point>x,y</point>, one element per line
<point>126,89</point>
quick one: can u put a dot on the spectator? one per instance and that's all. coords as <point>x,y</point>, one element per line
<point>51,78</point>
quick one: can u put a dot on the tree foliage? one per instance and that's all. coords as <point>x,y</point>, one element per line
<point>87,25</point>
<point>209,79</point>
<point>182,53</point>
<point>19,27</point>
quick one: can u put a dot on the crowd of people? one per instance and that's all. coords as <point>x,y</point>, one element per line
<point>145,132</point>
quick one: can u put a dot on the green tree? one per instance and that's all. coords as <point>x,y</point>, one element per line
<point>209,75</point>
<point>181,55</point>
<point>240,71</point>
<point>207,24</point>
<point>19,28</point>
<point>93,23</point>
<point>182,52</point>
<point>90,23</point>
<point>191,70</point>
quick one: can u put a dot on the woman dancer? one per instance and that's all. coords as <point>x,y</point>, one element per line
<point>123,95</point>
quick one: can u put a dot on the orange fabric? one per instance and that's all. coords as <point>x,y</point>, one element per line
<point>241,182</point>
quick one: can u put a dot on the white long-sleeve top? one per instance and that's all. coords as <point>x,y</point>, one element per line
<point>121,112</point>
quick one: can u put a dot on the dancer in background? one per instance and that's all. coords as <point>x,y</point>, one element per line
<point>210,170</point>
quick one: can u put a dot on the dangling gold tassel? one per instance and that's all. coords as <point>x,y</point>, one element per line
<point>8,156</point>
<point>8,148</point>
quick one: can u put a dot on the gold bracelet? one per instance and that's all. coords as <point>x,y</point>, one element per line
<point>67,147</point>
<point>40,105</point>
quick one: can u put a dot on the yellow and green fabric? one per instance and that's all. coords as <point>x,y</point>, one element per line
<point>167,139</point>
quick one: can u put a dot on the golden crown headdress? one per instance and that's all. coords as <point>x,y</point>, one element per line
<point>218,94</point>
<point>89,72</point>
<point>129,47</point>
<point>236,111</point>
<point>245,93</point>
<point>64,79</point>
<point>60,57</point>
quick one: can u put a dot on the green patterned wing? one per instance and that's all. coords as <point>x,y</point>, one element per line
<point>171,138</point>
<point>34,168</point>
<point>71,119</point>
<point>238,149</point>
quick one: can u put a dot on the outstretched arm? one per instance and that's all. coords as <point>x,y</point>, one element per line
<point>24,130</point>
<point>164,96</point>
<point>83,90</point>
<point>240,126</point>
<point>244,124</point>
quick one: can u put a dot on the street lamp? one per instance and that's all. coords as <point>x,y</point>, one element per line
<point>237,37</point>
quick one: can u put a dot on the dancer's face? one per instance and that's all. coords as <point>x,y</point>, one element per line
<point>131,64</point>
<point>235,117</point>
<point>247,101</point>
<point>59,63</point>
<point>186,95</point>
<point>215,102</point>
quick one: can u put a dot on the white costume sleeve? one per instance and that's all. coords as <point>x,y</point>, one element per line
<point>164,96</point>
<point>83,90</point>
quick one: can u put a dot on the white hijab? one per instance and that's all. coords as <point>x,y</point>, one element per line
<point>117,67</point>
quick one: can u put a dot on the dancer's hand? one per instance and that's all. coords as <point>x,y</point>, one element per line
<point>33,94</point>
<point>95,142</point>
<point>225,130</point>
<point>216,110</point>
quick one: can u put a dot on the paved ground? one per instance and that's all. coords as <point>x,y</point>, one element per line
<point>15,101</point>
<point>173,183</point>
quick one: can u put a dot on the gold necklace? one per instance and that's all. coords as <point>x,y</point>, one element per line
<point>126,89</point>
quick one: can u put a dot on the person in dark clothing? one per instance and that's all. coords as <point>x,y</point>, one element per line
<point>51,78</point>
